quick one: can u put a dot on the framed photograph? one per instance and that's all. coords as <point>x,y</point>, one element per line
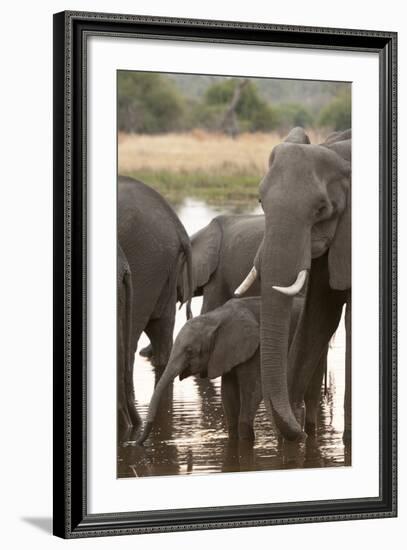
<point>224,274</point>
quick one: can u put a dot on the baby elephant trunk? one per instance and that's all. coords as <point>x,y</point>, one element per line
<point>173,369</point>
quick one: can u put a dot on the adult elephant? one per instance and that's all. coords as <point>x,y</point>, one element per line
<point>222,254</point>
<point>306,198</point>
<point>155,244</point>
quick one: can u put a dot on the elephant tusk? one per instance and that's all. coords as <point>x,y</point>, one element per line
<point>247,283</point>
<point>296,287</point>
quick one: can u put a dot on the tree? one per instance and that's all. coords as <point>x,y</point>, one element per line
<point>229,123</point>
<point>240,99</point>
<point>148,103</point>
<point>338,113</point>
<point>294,114</point>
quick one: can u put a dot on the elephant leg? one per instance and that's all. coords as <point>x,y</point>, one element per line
<point>124,419</point>
<point>127,411</point>
<point>160,331</point>
<point>250,397</point>
<point>129,396</point>
<point>348,373</point>
<point>213,296</point>
<point>231,403</point>
<point>313,395</point>
<point>147,352</point>
<point>318,321</point>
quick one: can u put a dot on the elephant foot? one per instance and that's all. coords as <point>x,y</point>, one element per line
<point>147,352</point>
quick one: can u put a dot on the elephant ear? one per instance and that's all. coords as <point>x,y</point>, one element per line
<point>205,252</point>
<point>205,245</point>
<point>340,251</point>
<point>336,137</point>
<point>298,135</point>
<point>236,339</point>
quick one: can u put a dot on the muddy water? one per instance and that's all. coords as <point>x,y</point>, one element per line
<point>190,436</point>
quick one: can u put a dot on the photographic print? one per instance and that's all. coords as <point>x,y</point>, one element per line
<point>233,274</point>
<point>211,369</point>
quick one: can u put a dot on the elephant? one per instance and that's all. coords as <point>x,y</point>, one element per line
<point>222,253</point>
<point>341,135</point>
<point>306,199</point>
<point>216,267</point>
<point>124,335</point>
<point>155,244</point>
<point>223,342</point>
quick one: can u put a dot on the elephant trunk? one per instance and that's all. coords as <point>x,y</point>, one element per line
<point>285,254</point>
<point>274,334</point>
<point>174,368</point>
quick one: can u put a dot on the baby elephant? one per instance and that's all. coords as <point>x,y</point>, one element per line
<point>223,342</point>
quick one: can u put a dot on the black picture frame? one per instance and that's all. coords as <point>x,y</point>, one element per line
<point>71,518</point>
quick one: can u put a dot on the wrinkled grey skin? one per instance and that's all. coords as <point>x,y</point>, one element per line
<point>155,244</point>
<point>216,266</point>
<point>127,415</point>
<point>306,198</point>
<point>223,342</point>
<point>342,135</point>
<point>222,254</point>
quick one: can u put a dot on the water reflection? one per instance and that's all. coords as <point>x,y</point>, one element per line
<point>190,437</point>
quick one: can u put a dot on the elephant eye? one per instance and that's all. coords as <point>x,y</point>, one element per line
<point>321,211</point>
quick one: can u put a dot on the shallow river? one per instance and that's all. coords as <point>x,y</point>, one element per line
<point>190,436</point>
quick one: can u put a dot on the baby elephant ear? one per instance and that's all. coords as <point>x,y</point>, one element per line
<point>235,341</point>
<point>340,252</point>
<point>297,135</point>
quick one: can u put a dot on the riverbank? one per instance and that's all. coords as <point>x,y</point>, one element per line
<point>211,167</point>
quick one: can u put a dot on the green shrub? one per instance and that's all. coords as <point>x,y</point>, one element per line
<point>204,116</point>
<point>148,103</point>
<point>294,114</point>
<point>338,113</point>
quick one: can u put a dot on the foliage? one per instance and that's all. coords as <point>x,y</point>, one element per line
<point>148,103</point>
<point>338,113</point>
<point>205,116</point>
<point>156,103</point>
<point>253,113</point>
<point>294,114</point>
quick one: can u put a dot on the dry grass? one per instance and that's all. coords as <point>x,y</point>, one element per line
<point>198,151</point>
<point>211,167</point>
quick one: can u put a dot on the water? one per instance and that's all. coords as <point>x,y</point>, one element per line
<point>190,435</point>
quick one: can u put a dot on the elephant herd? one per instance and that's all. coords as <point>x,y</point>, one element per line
<point>274,287</point>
